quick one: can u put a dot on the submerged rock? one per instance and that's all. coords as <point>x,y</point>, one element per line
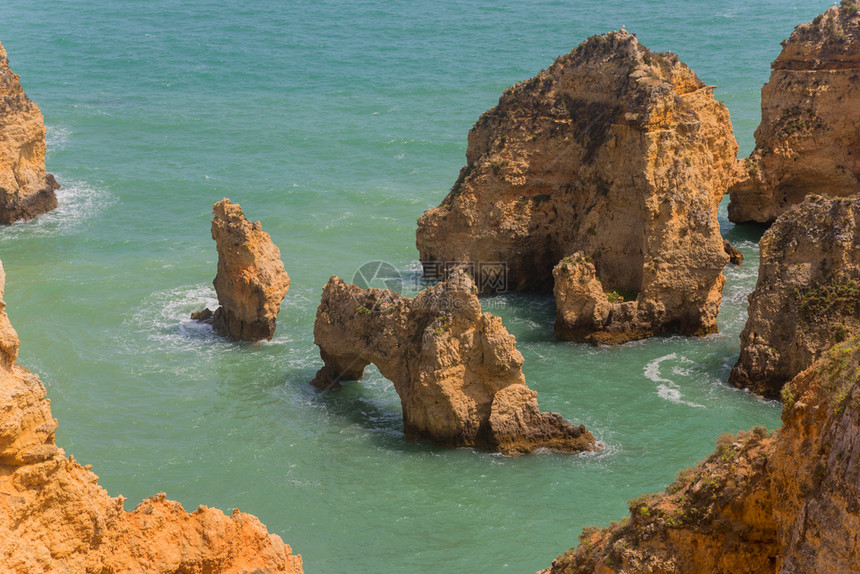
<point>25,189</point>
<point>251,281</point>
<point>760,504</point>
<point>807,297</point>
<point>456,369</point>
<point>614,152</point>
<point>808,141</point>
<point>54,517</point>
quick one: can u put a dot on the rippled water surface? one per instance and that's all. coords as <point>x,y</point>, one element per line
<point>335,124</point>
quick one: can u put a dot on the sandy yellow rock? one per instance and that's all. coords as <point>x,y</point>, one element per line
<point>251,281</point>
<point>615,152</point>
<point>807,297</point>
<point>25,189</point>
<point>808,141</point>
<point>457,370</point>
<point>54,517</point>
<point>760,504</point>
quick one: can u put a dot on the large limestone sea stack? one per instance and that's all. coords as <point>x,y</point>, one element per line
<point>808,293</point>
<point>25,189</point>
<point>787,503</point>
<point>251,281</point>
<point>457,370</point>
<point>808,141</point>
<point>616,154</point>
<point>54,517</point>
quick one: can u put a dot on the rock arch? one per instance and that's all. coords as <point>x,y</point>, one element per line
<point>457,370</point>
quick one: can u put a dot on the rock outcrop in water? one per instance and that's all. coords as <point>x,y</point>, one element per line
<point>251,281</point>
<point>54,517</point>
<point>808,141</point>
<point>760,504</point>
<point>457,370</point>
<point>735,256</point>
<point>616,153</point>
<point>808,293</point>
<point>25,189</point>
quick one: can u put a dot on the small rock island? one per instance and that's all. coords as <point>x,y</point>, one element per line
<point>251,281</point>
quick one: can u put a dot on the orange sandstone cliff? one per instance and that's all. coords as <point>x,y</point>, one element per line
<point>809,137</point>
<point>250,282</point>
<point>616,153</point>
<point>25,189</point>
<point>457,370</point>
<point>807,297</point>
<point>761,503</point>
<point>54,517</point>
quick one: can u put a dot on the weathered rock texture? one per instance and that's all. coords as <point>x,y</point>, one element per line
<point>735,256</point>
<point>809,137</point>
<point>615,152</point>
<point>25,189</point>
<point>251,281</point>
<point>54,517</point>
<point>760,504</point>
<point>457,370</point>
<point>808,293</point>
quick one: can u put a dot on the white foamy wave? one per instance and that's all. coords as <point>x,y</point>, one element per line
<point>56,137</point>
<point>652,369</point>
<point>736,295</point>
<point>740,282</point>
<point>165,316</point>
<point>78,202</point>
<point>684,372</point>
<point>668,389</point>
<point>746,244</point>
<point>748,273</point>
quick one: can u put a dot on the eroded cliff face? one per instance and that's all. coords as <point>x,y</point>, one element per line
<point>25,189</point>
<point>761,503</point>
<point>614,152</point>
<point>251,281</point>
<point>808,141</point>
<point>54,517</point>
<point>808,293</point>
<point>457,370</point>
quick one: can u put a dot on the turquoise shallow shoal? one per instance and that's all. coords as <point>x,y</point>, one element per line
<point>336,124</point>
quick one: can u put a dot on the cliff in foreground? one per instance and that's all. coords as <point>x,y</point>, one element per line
<point>54,517</point>
<point>761,503</point>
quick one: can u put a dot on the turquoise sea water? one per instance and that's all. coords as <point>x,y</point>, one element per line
<point>336,125</point>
